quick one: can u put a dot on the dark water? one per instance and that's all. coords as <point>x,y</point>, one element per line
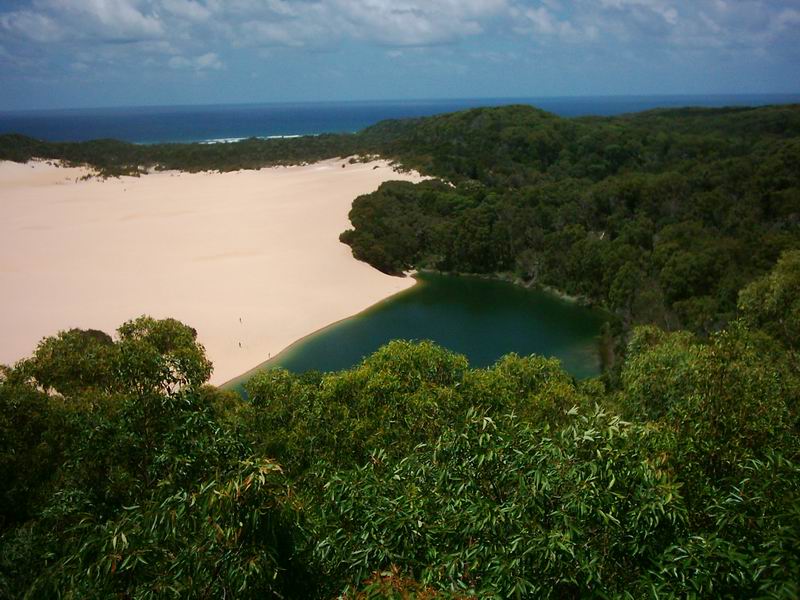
<point>227,122</point>
<point>479,318</point>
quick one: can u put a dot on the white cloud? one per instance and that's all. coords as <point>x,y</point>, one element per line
<point>266,33</point>
<point>111,20</point>
<point>417,22</point>
<point>209,60</point>
<point>491,56</point>
<point>742,25</point>
<point>664,9</point>
<point>543,23</point>
<point>187,9</point>
<point>399,23</point>
<point>672,25</point>
<point>115,29</point>
<point>387,22</point>
<point>204,62</point>
<point>34,26</point>
<point>179,62</point>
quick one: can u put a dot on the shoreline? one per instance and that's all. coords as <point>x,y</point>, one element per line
<point>244,377</point>
<point>528,285</point>
<point>250,259</point>
<point>603,352</point>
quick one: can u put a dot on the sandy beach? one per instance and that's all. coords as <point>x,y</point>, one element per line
<point>251,259</point>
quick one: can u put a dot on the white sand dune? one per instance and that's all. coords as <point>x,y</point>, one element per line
<point>251,259</point>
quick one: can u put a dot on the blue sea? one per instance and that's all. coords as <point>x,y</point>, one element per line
<point>229,122</point>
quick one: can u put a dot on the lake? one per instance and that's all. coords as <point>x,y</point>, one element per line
<point>480,318</point>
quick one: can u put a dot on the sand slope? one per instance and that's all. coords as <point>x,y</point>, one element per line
<point>251,259</point>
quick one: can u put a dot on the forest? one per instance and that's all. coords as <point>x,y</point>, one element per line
<point>660,217</point>
<point>676,474</point>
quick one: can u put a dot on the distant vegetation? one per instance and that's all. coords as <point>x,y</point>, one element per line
<point>412,475</point>
<point>661,217</point>
<point>114,158</point>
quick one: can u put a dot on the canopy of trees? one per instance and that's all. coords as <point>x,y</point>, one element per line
<point>411,475</point>
<point>661,217</point>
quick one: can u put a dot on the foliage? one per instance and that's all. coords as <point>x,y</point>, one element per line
<point>392,584</point>
<point>772,302</point>
<point>660,216</point>
<point>409,476</point>
<point>150,357</point>
<point>114,158</point>
<point>220,537</point>
<point>73,361</point>
<point>144,488</point>
<point>731,392</point>
<point>403,395</point>
<point>500,509</point>
<point>32,439</point>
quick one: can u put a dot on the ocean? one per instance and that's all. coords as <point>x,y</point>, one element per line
<point>230,122</point>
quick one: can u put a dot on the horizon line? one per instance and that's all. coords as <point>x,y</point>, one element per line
<point>397,100</point>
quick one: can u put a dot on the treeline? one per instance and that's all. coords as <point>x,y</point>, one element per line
<point>661,217</point>
<point>411,475</point>
<point>114,158</point>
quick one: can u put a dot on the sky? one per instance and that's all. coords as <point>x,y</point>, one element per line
<point>85,53</point>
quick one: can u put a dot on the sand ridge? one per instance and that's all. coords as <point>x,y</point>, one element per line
<point>251,259</point>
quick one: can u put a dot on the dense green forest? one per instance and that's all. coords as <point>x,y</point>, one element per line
<point>661,217</point>
<point>412,475</point>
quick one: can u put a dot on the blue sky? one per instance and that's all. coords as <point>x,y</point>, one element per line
<point>78,53</point>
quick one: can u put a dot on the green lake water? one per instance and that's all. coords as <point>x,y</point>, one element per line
<point>480,318</point>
